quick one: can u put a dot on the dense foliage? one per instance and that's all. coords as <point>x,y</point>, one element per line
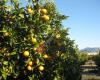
<point>96,58</point>
<point>34,45</point>
<point>83,57</point>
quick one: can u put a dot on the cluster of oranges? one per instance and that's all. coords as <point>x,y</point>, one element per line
<point>29,66</point>
<point>30,63</point>
<point>43,12</point>
<point>44,16</point>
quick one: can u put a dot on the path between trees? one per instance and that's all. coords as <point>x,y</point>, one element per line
<point>90,71</point>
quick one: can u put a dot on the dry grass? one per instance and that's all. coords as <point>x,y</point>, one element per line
<point>90,77</point>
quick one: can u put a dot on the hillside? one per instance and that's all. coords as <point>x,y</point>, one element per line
<point>88,49</point>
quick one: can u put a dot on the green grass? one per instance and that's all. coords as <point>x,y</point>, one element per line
<point>90,77</point>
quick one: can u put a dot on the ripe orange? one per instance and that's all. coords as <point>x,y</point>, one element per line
<point>43,11</point>
<point>34,40</point>
<point>30,63</point>
<point>41,68</point>
<point>45,17</point>
<point>45,56</point>
<point>26,53</point>
<point>6,34</point>
<point>30,11</point>
<point>29,68</point>
<point>34,49</point>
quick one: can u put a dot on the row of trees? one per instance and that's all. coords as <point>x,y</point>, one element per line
<point>34,45</point>
<point>96,58</point>
<point>84,57</point>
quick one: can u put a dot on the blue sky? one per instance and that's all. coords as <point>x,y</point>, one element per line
<point>84,21</point>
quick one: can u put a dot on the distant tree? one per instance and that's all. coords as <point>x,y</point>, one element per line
<point>83,57</point>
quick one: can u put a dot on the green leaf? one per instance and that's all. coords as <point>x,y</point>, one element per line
<point>21,15</point>
<point>13,53</point>
<point>5,62</point>
<point>41,63</point>
<point>4,75</point>
<point>24,26</point>
<point>31,78</point>
<point>5,1</point>
<point>15,1</point>
<point>1,55</point>
<point>11,68</point>
<point>36,45</point>
<point>3,31</point>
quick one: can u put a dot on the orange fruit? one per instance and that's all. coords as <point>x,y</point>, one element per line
<point>30,11</point>
<point>34,49</point>
<point>45,56</point>
<point>45,17</point>
<point>29,68</point>
<point>30,63</point>
<point>41,68</point>
<point>43,11</point>
<point>34,40</point>
<point>6,34</point>
<point>26,53</point>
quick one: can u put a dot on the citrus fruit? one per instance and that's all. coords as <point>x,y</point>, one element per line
<point>30,11</point>
<point>30,63</point>
<point>41,68</point>
<point>43,11</point>
<point>45,17</point>
<point>6,34</point>
<point>45,56</point>
<point>34,40</point>
<point>29,68</point>
<point>26,53</point>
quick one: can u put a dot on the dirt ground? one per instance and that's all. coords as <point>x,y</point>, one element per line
<point>90,71</point>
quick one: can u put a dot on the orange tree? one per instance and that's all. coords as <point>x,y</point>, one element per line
<point>33,43</point>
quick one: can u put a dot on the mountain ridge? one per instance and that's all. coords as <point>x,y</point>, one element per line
<point>90,49</point>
